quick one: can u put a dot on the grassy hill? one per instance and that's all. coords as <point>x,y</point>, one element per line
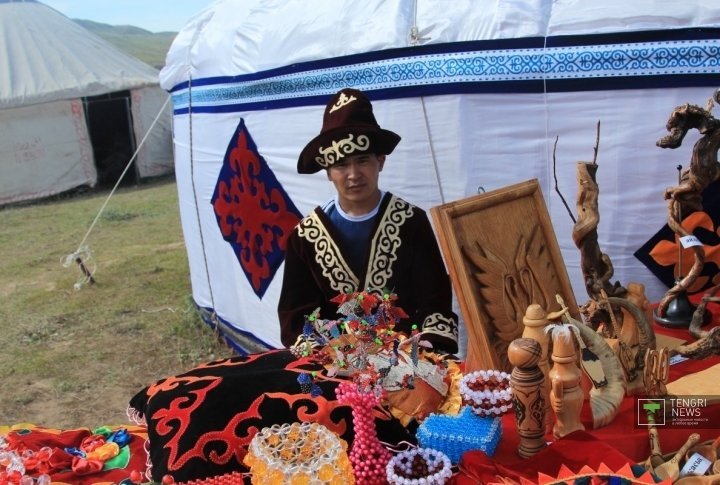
<point>147,46</point>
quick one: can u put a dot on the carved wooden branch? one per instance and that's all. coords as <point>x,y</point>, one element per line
<point>596,266</point>
<point>687,196</point>
<point>705,347</point>
<point>698,317</point>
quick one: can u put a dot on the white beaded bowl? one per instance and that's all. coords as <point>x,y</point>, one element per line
<point>487,392</point>
<point>437,465</point>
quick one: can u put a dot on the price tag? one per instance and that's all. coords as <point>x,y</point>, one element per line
<point>677,358</point>
<point>690,241</point>
<point>696,465</point>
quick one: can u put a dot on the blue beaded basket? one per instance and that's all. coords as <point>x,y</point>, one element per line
<point>454,435</point>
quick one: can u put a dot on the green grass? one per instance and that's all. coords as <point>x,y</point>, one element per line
<point>74,357</point>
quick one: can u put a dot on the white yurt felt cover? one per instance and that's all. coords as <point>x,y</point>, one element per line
<point>479,92</point>
<point>48,57</point>
<point>48,64</point>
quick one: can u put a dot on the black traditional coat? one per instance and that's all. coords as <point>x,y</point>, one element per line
<point>403,258</point>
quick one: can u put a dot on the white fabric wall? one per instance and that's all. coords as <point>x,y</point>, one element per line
<point>451,143</point>
<point>48,63</point>
<point>44,150</point>
<point>232,37</point>
<point>156,154</point>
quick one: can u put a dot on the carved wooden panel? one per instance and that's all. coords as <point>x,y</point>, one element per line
<point>502,255</point>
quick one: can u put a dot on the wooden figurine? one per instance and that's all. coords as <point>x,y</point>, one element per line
<point>566,395</point>
<point>527,382</point>
<point>609,382</point>
<point>636,296</point>
<point>535,320</point>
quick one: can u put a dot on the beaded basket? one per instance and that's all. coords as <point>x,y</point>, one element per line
<point>298,454</point>
<point>419,466</point>
<point>487,392</point>
<point>233,478</point>
<point>454,435</point>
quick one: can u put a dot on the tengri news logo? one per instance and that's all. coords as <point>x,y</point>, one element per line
<point>675,412</point>
<point>651,412</point>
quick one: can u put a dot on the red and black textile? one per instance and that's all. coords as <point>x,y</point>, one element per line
<point>660,254</point>
<point>60,453</point>
<point>201,422</point>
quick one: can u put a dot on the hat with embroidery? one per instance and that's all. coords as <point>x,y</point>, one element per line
<point>349,128</point>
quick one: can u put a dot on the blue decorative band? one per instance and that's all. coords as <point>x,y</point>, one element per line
<point>689,57</point>
<point>243,342</point>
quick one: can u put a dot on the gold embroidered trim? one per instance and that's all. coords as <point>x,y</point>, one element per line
<point>340,148</point>
<point>343,100</point>
<point>327,255</point>
<point>385,243</point>
<point>441,325</point>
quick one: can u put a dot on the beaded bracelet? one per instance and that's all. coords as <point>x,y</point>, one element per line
<point>487,392</point>
<point>419,466</point>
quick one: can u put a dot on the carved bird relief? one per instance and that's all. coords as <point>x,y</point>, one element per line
<point>510,279</point>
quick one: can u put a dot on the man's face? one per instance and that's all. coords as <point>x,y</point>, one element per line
<point>356,181</point>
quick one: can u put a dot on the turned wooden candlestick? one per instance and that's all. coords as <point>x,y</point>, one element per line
<point>527,382</point>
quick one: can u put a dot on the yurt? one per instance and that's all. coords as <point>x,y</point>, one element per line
<point>483,94</point>
<point>73,108</point>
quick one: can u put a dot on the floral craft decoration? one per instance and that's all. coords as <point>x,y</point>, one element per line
<point>378,365</point>
<point>362,344</point>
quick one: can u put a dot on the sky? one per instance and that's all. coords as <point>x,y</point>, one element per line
<point>152,15</point>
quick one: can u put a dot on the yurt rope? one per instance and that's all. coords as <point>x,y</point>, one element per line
<point>213,316</point>
<point>546,105</point>
<point>432,151</point>
<point>82,254</point>
<point>415,38</point>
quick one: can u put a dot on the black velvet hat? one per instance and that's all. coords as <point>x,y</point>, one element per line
<point>349,128</point>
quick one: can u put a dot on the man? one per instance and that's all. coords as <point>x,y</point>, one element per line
<point>363,239</point>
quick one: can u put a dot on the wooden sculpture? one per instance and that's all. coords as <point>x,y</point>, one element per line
<point>699,316</point>
<point>566,396</point>
<point>657,372</point>
<point>686,198</point>
<point>636,296</point>
<point>704,169</point>
<point>670,470</point>
<point>604,400</point>
<point>496,278</point>
<point>527,382</point>
<point>704,347</point>
<point>611,309</point>
<point>596,266</point>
